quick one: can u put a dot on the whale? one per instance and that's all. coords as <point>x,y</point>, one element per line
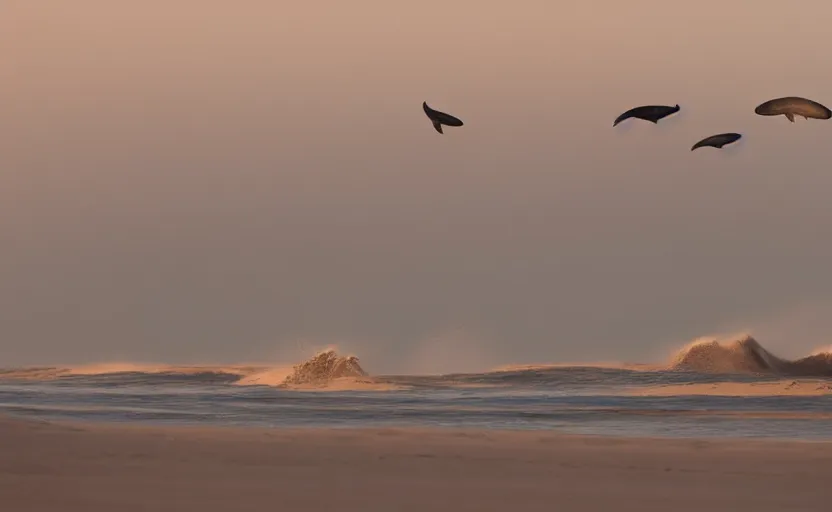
<point>791,106</point>
<point>717,141</point>
<point>440,118</point>
<point>652,113</point>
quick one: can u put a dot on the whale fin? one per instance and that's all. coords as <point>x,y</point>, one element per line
<point>438,126</point>
<point>790,116</point>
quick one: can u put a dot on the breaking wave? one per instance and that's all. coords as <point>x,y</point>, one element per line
<point>746,355</point>
<point>326,369</point>
<point>704,360</point>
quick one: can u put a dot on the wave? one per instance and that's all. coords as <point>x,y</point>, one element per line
<point>324,370</point>
<point>325,367</point>
<point>703,360</point>
<point>129,373</point>
<point>746,355</point>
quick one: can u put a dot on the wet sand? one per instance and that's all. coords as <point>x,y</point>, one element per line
<point>90,468</point>
<point>785,387</point>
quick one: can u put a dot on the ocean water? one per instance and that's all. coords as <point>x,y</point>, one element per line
<point>568,399</point>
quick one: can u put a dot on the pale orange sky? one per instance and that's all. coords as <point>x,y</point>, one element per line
<point>192,181</point>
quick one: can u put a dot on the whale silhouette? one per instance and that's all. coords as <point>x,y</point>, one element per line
<point>717,141</point>
<point>650,113</point>
<point>439,118</point>
<point>791,106</point>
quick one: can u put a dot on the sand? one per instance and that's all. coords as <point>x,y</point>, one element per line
<point>786,387</point>
<point>71,467</point>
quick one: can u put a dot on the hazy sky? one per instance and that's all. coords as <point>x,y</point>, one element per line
<point>241,181</point>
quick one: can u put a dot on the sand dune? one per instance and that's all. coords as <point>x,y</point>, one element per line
<point>85,468</point>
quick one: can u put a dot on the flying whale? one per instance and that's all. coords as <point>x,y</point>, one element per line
<point>791,106</point>
<point>650,113</point>
<point>439,118</point>
<point>717,141</point>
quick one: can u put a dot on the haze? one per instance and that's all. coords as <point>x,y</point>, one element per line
<point>217,181</point>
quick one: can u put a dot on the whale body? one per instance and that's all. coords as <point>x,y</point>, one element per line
<point>650,113</point>
<point>439,118</point>
<point>791,106</point>
<point>717,141</point>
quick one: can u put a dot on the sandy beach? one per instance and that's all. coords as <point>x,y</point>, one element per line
<point>84,467</point>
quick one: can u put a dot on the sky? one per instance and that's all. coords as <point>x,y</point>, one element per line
<point>193,182</point>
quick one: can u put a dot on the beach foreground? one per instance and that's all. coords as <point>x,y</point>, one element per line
<point>84,467</point>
